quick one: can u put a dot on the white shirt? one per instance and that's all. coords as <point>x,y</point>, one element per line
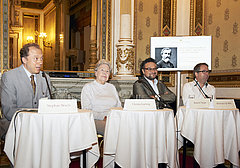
<point>192,91</point>
<point>99,98</point>
<point>153,84</point>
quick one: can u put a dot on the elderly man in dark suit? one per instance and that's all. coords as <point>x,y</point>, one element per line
<point>148,87</point>
<point>23,86</point>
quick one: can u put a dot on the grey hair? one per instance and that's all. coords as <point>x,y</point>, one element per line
<point>166,49</point>
<point>101,62</point>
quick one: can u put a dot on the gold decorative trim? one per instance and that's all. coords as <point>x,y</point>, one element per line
<point>125,56</point>
<point>167,18</point>
<point>135,31</point>
<point>174,17</point>
<point>108,29</point>
<point>197,8</point>
<point>168,78</point>
<point>227,79</point>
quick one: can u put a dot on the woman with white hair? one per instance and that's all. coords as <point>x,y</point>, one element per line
<point>99,95</point>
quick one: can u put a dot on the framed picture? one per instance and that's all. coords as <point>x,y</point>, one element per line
<point>166,57</point>
<point>181,53</point>
<point>168,78</point>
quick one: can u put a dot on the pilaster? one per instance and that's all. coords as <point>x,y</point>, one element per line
<point>93,39</point>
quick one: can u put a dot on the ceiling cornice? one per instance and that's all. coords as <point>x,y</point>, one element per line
<point>34,5</point>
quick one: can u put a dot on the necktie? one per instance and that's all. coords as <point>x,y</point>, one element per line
<point>33,84</point>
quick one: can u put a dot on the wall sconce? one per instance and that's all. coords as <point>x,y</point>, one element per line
<point>30,39</point>
<point>61,37</point>
<point>46,43</point>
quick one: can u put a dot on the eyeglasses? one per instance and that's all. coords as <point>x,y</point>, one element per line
<point>204,71</point>
<point>35,60</point>
<point>151,69</point>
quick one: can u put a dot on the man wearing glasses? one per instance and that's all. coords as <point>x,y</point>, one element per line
<point>23,86</point>
<point>148,87</point>
<point>199,88</point>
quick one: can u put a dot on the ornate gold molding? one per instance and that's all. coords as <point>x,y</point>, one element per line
<point>197,17</point>
<point>125,56</point>
<point>108,29</point>
<point>167,18</point>
<point>227,79</point>
<point>168,78</point>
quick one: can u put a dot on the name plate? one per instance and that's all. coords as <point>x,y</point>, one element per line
<point>198,103</point>
<point>224,104</point>
<point>57,106</point>
<point>139,104</point>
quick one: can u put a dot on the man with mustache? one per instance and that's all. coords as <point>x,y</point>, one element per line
<point>23,86</point>
<point>166,56</point>
<point>148,87</point>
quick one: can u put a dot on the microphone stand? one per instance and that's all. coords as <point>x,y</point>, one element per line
<point>201,90</point>
<point>162,103</point>
<point>44,75</point>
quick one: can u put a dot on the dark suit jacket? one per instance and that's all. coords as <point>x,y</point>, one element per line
<point>162,64</point>
<point>142,89</point>
<point>17,93</point>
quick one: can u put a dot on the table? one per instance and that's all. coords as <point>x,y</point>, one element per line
<point>140,138</point>
<point>215,134</point>
<point>46,140</point>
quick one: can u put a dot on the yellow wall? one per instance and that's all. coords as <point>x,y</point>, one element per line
<point>147,25</point>
<point>50,29</point>
<point>29,28</point>
<point>222,21</point>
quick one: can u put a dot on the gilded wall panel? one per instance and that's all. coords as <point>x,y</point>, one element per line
<point>197,17</point>
<point>104,29</point>
<point>146,26</point>
<point>105,49</point>
<point>222,23</point>
<point>109,32</point>
<point>50,29</point>
<point>29,28</point>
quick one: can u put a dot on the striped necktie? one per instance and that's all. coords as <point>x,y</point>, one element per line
<point>33,84</point>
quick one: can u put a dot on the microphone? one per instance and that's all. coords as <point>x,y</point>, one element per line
<point>199,87</point>
<point>44,76</point>
<point>197,84</point>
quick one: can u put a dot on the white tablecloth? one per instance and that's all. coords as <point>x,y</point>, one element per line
<point>140,139</point>
<point>46,140</point>
<point>215,134</point>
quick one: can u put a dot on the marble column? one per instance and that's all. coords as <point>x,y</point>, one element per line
<point>125,47</point>
<point>93,39</point>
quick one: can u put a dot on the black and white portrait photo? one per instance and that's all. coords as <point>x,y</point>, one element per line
<point>166,57</point>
